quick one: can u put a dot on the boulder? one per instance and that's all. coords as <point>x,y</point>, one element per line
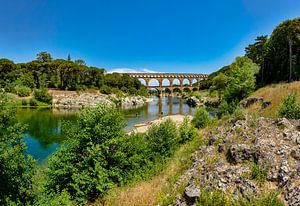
<point>239,153</point>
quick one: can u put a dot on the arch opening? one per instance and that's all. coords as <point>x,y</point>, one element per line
<point>153,83</point>
<point>176,82</point>
<point>176,91</point>
<point>166,82</point>
<point>186,90</point>
<point>186,82</point>
<point>143,81</point>
<point>194,82</point>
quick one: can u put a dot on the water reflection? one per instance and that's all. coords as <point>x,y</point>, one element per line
<point>44,125</point>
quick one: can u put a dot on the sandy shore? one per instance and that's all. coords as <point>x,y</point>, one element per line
<point>178,119</point>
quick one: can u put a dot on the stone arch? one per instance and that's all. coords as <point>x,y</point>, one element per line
<point>166,82</point>
<point>176,82</point>
<point>194,81</point>
<point>153,82</point>
<point>168,91</point>
<point>143,81</point>
<point>186,82</point>
<point>186,89</point>
<point>195,89</point>
<point>177,90</point>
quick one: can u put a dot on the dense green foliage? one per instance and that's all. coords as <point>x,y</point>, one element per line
<point>201,117</point>
<point>42,95</point>
<point>187,130</point>
<point>98,154</point>
<point>279,55</point>
<point>237,84</point>
<point>16,167</point>
<point>290,108</point>
<point>46,72</point>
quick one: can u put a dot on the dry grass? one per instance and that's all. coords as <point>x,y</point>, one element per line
<point>275,94</point>
<point>152,192</point>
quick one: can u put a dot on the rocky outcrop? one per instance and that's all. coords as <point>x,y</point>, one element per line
<point>232,153</point>
<point>204,101</point>
<point>74,100</point>
<point>253,100</point>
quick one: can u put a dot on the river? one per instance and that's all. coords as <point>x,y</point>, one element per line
<point>44,125</point>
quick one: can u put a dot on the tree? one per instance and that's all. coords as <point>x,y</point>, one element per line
<point>80,62</point>
<point>283,55</point>
<point>16,167</point>
<point>219,83</point>
<point>88,163</point>
<point>241,79</point>
<point>69,57</point>
<point>44,57</point>
<point>257,53</point>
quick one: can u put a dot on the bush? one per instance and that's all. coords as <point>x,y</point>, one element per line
<point>163,139</point>
<point>289,108</point>
<point>187,131</point>
<point>42,95</point>
<point>33,102</point>
<point>22,91</point>
<point>201,118</point>
<point>17,168</point>
<point>105,89</point>
<point>258,173</point>
<point>89,162</point>
<point>24,102</point>
<point>226,108</point>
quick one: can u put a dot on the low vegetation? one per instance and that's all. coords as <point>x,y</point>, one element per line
<point>290,108</point>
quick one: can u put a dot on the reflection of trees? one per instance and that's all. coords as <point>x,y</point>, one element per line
<point>43,125</point>
<point>131,112</point>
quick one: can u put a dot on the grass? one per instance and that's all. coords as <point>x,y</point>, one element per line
<point>153,191</point>
<point>218,198</point>
<point>275,94</point>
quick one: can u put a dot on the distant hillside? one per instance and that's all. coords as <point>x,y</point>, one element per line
<point>274,93</point>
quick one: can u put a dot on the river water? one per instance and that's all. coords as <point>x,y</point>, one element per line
<point>43,134</point>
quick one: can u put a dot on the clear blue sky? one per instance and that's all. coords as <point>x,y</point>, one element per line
<point>194,36</point>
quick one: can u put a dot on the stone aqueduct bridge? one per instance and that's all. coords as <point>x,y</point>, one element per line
<point>193,79</point>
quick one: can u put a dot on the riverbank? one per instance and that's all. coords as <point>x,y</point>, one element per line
<point>80,99</point>
<point>177,119</point>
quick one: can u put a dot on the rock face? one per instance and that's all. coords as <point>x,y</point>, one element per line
<point>205,101</point>
<point>233,150</point>
<point>252,100</point>
<point>74,100</point>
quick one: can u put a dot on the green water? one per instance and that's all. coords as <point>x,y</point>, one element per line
<point>44,125</point>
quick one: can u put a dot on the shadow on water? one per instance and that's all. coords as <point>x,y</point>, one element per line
<point>44,125</point>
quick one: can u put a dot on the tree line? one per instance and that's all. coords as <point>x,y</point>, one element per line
<point>46,72</point>
<point>277,55</point>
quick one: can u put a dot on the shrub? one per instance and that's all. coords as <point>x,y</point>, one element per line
<point>289,108</point>
<point>201,118</point>
<point>163,138</point>
<point>226,108</point>
<point>105,89</point>
<point>24,102</point>
<point>258,173</point>
<point>42,95</point>
<point>17,168</point>
<point>22,91</point>
<point>54,199</point>
<point>187,130</point>
<point>33,102</point>
<point>89,162</point>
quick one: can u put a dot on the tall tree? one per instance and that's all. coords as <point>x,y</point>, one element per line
<point>257,53</point>
<point>44,57</point>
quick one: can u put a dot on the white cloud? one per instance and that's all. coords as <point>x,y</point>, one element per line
<point>132,70</point>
